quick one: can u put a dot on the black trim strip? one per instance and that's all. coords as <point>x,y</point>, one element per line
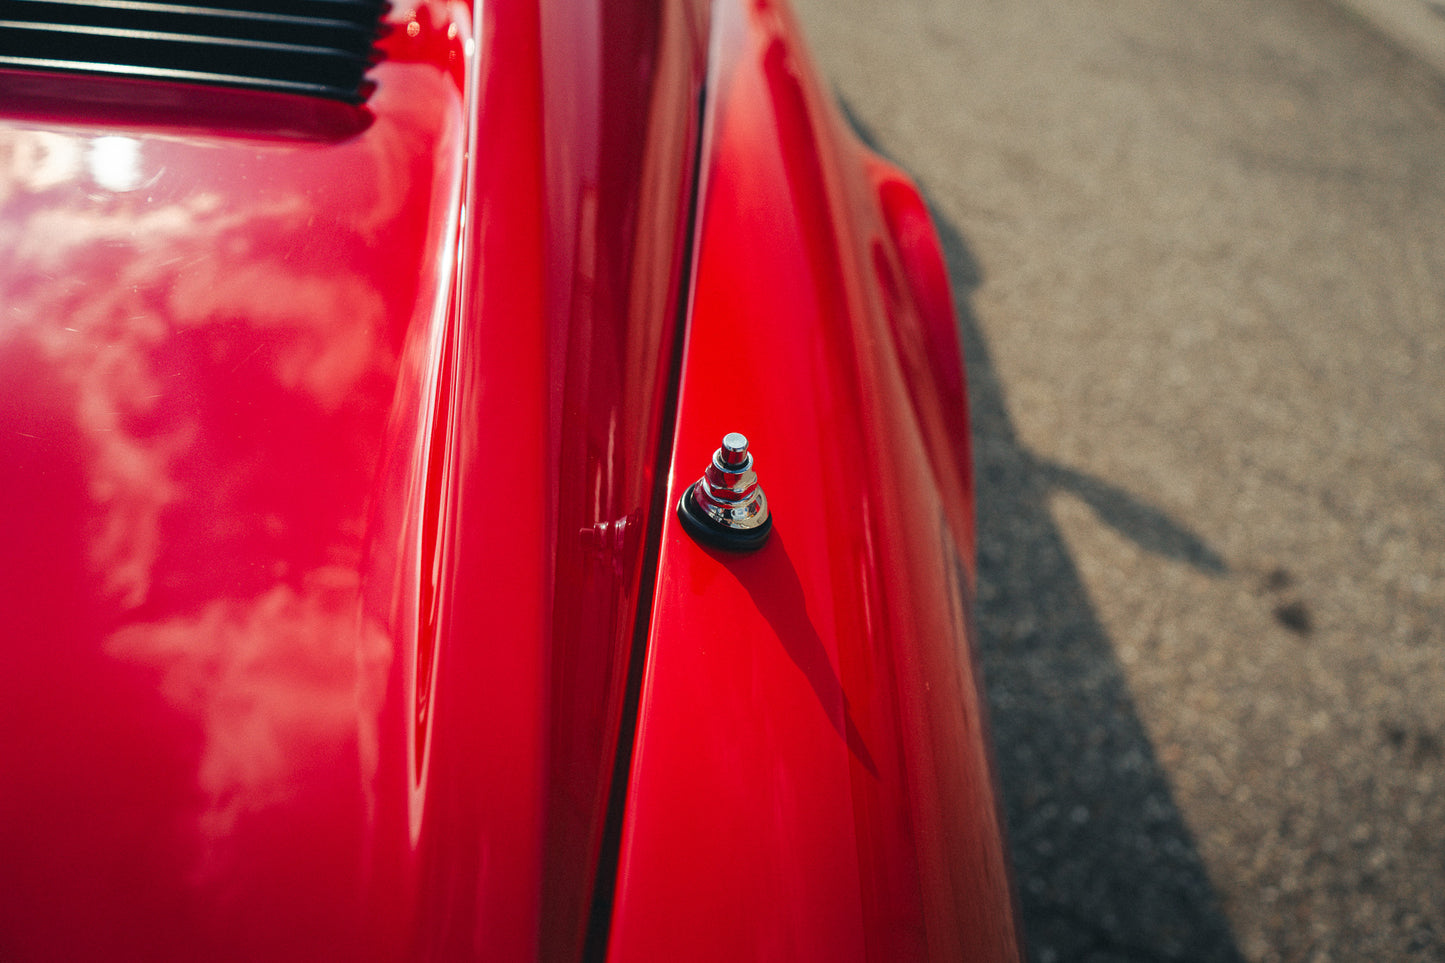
<point>318,47</point>
<point>599,919</point>
<point>179,76</point>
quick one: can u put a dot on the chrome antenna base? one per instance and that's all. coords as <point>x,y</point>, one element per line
<point>726,507</point>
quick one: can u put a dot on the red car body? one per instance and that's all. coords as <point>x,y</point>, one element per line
<point>346,615</point>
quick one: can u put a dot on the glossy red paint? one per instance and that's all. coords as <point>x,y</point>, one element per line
<point>327,445</point>
<point>811,779</point>
<point>203,337</point>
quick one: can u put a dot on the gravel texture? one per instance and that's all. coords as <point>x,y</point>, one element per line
<point>1199,256</point>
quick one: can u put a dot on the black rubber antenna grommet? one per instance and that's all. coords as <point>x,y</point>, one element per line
<point>702,528</point>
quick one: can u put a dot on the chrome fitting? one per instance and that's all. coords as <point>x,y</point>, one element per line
<point>726,507</point>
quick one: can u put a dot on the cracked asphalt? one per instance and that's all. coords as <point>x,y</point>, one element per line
<point>1198,251</point>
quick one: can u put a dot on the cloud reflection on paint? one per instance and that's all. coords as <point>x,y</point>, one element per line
<point>36,160</point>
<point>261,676</point>
<point>217,360</point>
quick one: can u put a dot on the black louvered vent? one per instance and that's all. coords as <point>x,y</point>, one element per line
<point>317,47</point>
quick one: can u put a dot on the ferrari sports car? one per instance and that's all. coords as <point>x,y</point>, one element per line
<point>479,481</point>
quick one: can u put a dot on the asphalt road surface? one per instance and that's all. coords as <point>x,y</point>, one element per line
<point>1199,256</point>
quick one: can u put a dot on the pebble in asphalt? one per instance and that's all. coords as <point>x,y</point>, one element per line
<point>1199,256</point>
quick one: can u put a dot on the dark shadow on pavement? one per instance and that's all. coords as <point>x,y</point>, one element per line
<point>1147,526</point>
<point>1106,867</point>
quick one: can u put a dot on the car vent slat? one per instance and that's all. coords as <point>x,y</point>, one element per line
<point>319,47</point>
